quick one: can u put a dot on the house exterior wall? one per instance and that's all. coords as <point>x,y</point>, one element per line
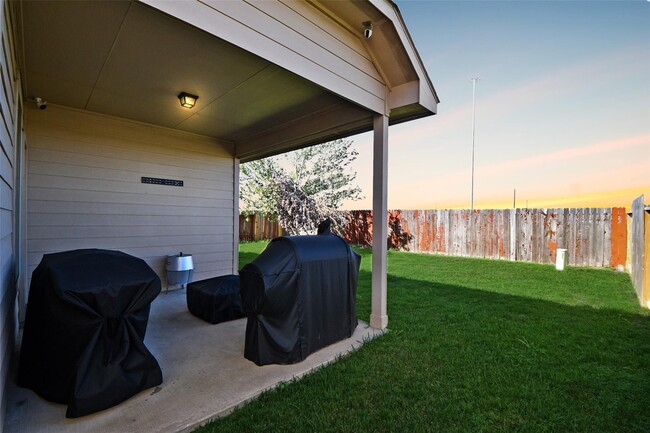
<point>9,113</point>
<point>85,191</point>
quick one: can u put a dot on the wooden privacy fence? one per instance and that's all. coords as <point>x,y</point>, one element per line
<point>592,236</point>
<point>257,227</point>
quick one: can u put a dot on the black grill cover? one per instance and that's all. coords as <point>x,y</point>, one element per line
<point>299,296</point>
<point>84,330</point>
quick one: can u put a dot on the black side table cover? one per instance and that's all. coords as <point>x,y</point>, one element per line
<point>215,300</point>
<point>83,340</point>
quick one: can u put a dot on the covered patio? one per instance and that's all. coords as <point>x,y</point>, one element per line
<point>205,376</point>
<point>270,77</point>
<point>94,111</point>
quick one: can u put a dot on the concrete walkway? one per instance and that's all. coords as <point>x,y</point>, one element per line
<point>205,375</point>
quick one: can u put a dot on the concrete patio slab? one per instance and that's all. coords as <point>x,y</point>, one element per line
<point>205,375</point>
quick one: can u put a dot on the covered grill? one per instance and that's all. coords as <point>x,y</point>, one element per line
<point>83,342</point>
<point>299,296</point>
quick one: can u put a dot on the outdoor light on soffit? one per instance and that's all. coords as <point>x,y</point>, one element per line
<point>367,29</point>
<point>187,100</point>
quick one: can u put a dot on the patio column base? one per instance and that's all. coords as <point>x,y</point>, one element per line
<point>378,322</point>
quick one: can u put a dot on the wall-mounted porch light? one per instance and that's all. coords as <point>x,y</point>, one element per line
<point>187,100</point>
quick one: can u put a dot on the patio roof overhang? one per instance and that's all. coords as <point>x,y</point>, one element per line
<point>271,76</point>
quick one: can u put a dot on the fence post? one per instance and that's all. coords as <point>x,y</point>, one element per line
<point>646,261</point>
<point>618,236</point>
<point>637,253</point>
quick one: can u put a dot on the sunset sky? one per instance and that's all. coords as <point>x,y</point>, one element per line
<point>562,107</point>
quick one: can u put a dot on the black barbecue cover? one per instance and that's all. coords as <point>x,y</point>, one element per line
<point>299,296</point>
<point>83,341</point>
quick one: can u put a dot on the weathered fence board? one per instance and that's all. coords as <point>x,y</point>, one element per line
<point>256,227</point>
<point>593,237</point>
<point>646,262</point>
<point>638,222</point>
<point>607,246</point>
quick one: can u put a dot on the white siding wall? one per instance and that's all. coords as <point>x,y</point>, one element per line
<point>8,100</point>
<point>85,191</point>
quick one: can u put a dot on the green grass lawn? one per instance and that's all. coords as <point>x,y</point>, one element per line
<point>477,346</point>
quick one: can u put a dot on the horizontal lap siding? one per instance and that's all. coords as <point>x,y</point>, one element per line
<point>85,191</point>
<point>8,104</point>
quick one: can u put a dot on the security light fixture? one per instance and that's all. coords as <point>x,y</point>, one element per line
<point>41,103</point>
<point>367,29</point>
<point>187,100</point>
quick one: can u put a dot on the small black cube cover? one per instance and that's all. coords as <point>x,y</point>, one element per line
<point>83,341</point>
<point>299,296</point>
<point>215,300</point>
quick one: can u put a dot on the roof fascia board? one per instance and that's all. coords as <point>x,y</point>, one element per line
<point>405,94</point>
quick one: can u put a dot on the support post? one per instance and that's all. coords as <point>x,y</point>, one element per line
<point>235,217</point>
<point>378,315</point>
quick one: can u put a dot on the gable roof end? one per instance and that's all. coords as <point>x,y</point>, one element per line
<point>410,93</point>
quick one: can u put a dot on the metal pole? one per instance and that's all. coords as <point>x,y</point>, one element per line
<point>514,199</point>
<point>474,80</point>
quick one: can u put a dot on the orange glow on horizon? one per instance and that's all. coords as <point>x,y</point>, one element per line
<point>615,198</point>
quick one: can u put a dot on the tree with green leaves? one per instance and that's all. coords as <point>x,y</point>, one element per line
<point>303,187</point>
